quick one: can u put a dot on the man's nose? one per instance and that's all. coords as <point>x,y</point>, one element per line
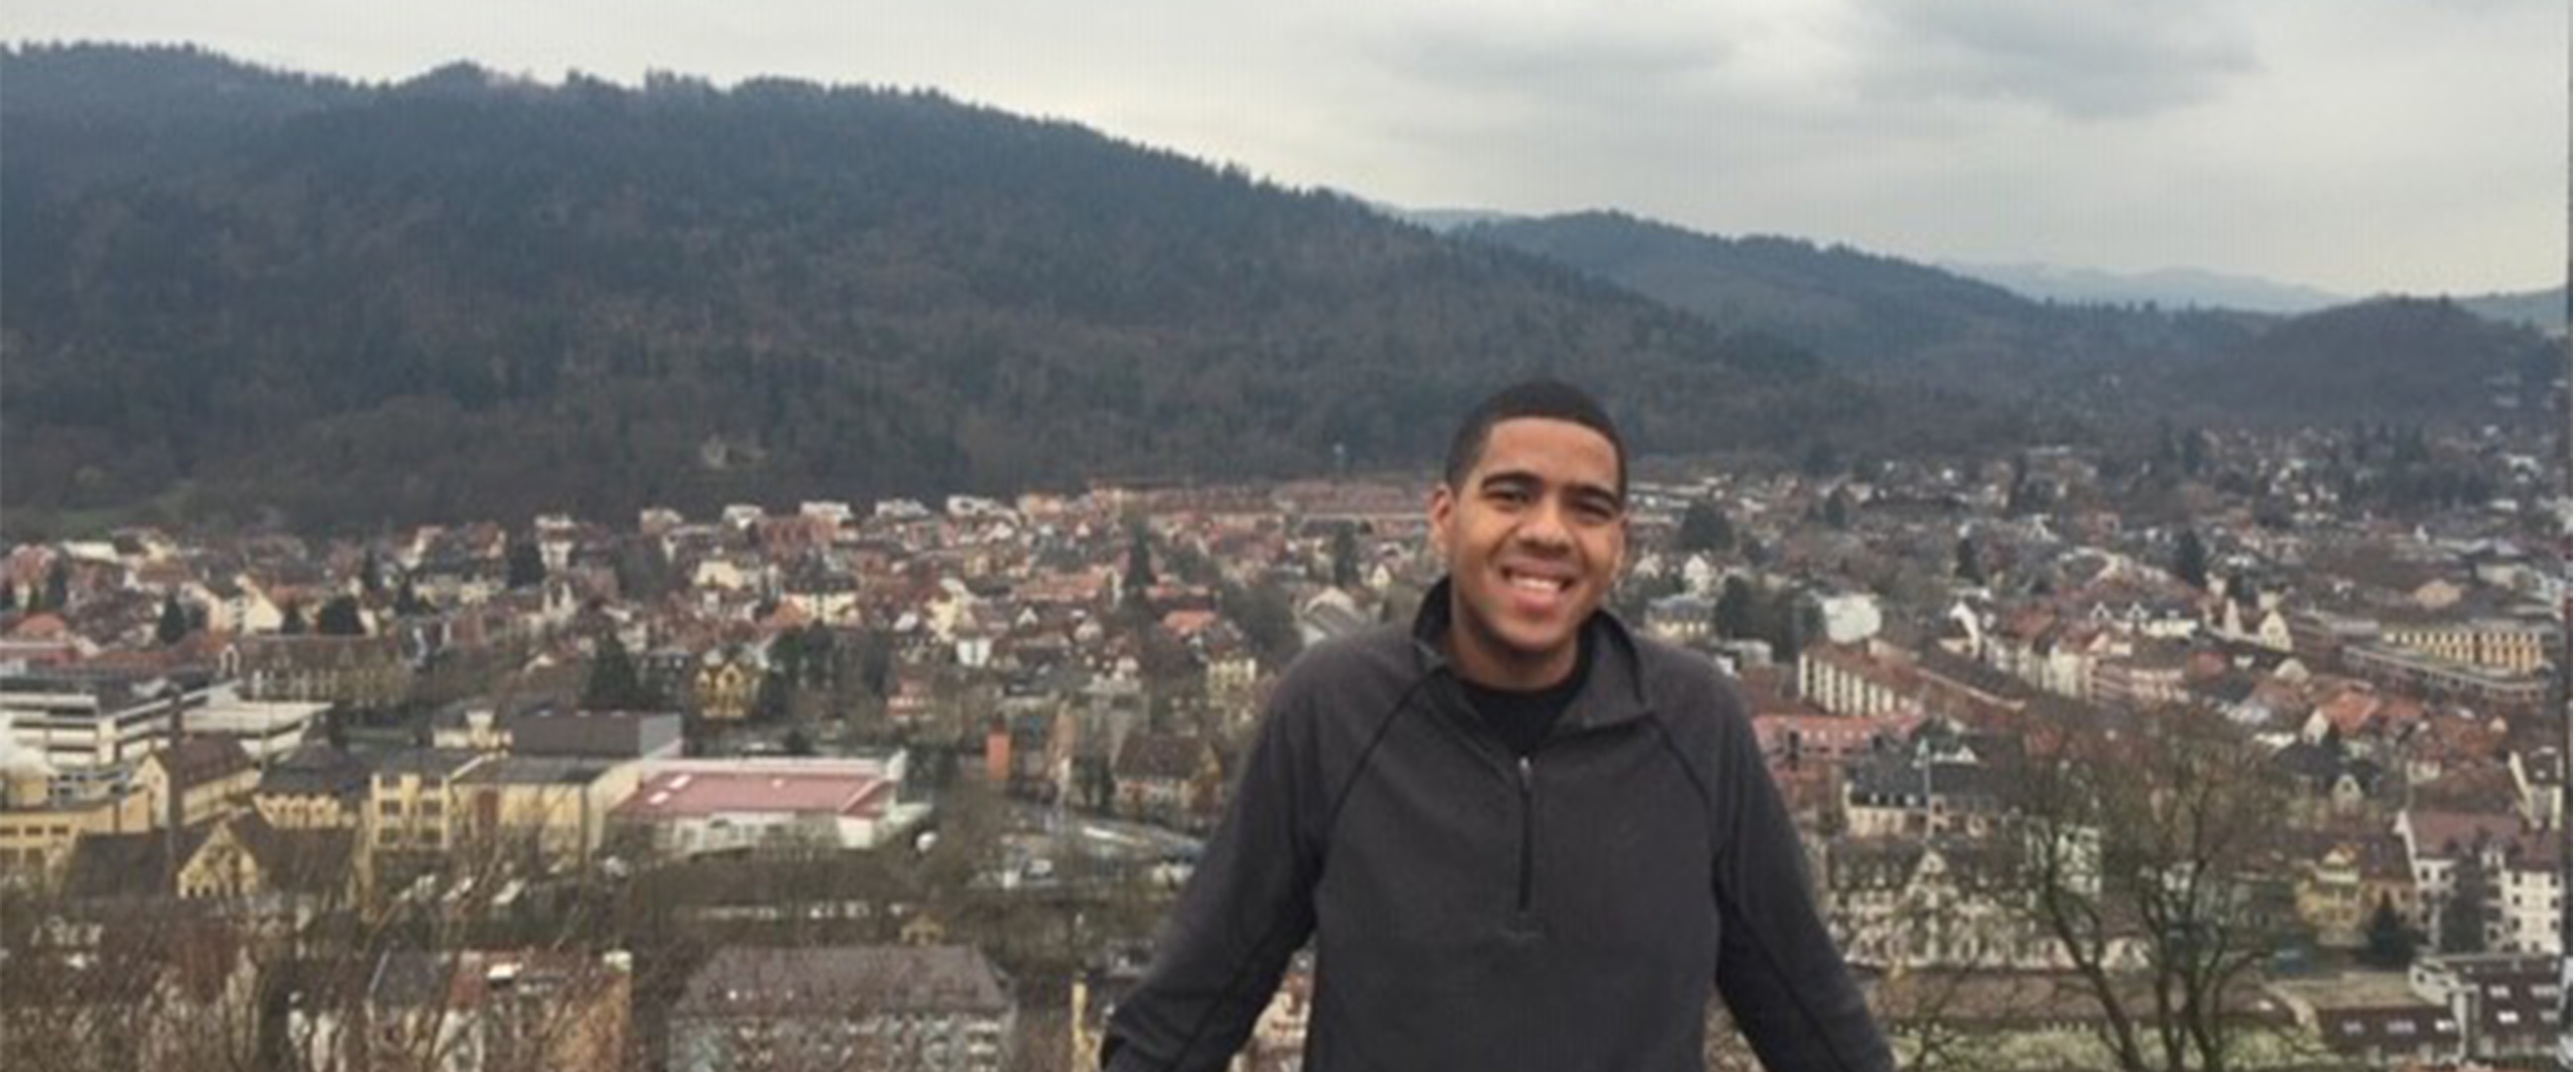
<point>1545,527</point>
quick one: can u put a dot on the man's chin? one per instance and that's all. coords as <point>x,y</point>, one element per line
<point>1538,647</point>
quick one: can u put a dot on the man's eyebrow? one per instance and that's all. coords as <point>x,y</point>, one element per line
<point>1606,496</point>
<point>1598,493</point>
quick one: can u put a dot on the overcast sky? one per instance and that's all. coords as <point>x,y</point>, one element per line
<point>2361,146</point>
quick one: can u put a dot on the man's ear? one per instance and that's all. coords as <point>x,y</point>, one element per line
<point>1442,512</point>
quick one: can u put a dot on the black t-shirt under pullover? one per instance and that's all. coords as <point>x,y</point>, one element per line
<point>1522,718</point>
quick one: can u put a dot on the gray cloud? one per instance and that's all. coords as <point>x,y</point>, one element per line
<point>1508,58</point>
<point>2080,59</point>
<point>2360,145</point>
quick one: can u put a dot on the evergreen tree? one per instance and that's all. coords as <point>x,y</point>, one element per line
<point>1801,623</point>
<point>173,626</point>
<point>2191,560</point>
<point>1346,557</point>
<point>614,684</point>
<point>1140,570</point>
<point>770,704</point>
<point>340,617</point>
<point>294,623</point>
<point>1261,611</point>
<point>1966,565</point>
<point>58,587</point>
<point>2391,942</point>
<point>371,573</point>
<point>527,565</point>
<point>1097,784</point>
<point>2463,918</point>
<point>643,571</point>
<point>2026,498</point>
<point>797,743</point>
<point>822,656</point>
<point>787,657</point>
<point>8,596</point>
<point>1738,611</point>
<point>408,603</point>
<point>1704,528</point>
<point>876,663</point>
<point>1838,509</point>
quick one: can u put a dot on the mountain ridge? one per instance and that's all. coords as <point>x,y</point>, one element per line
<point>448,296</point>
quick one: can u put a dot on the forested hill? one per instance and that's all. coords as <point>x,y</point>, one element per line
<point>232,290</point>
<point>2387,360</point>
<point>2408,360</point>
<point>1864,310</point>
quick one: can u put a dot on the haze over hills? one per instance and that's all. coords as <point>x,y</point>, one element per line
<point>1861,309</point>
<point>2182,287</point>
<point>2544,310</point>
<point>464,295</point>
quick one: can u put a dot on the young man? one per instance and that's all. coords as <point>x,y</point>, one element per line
<point>1520,836</point>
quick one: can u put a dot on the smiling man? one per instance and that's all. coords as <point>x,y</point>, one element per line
<point>1519,836</point>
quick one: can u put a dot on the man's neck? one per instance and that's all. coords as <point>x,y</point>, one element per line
<point>1486,661</point>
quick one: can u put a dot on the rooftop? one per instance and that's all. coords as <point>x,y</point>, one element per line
<point>676,794</point>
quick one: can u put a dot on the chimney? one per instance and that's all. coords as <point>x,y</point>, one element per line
<point>174,807</point>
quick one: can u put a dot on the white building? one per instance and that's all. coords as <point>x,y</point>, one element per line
<point>697,806</point>
<point>266,729</point>
<point>1849,618</point>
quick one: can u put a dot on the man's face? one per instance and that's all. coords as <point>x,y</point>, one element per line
<point>1534,534</point>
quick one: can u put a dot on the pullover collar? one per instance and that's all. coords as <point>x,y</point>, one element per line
<point>1614,692</point>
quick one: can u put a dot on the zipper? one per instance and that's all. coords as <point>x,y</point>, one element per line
<point>1529,838</point>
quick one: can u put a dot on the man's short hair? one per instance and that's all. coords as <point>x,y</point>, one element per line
<point>1542,398</point>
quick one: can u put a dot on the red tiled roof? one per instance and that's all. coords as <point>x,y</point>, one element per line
<point>2448,833</point>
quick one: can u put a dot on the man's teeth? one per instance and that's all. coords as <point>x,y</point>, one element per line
<point>1537,584</point>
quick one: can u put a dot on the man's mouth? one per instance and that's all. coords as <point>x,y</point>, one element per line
<point>1536,583</point>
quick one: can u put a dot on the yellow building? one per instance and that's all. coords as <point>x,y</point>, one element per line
<point>726,685</point>
<point>412,801</point>
<point>36,835</point>
<point>212,776</point>
<point>314,787</point>
<point>2330,898</point>
<point>2510,644</point>
<point>555,807</point>
<point>237,858</point>
<point>244,857</point>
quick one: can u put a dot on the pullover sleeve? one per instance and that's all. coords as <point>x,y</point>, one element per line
<point>1247,907</point>
<point>1778,969</point>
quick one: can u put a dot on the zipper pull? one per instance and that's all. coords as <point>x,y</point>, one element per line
<point>1525,775</point>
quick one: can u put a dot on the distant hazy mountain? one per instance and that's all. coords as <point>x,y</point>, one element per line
<point>2172,287</point>
<point>233,289</point>
<point>2545,310</point>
